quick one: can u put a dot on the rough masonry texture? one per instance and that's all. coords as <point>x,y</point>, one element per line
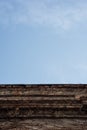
<point>44,107</point>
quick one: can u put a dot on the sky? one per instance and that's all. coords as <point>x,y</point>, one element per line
<point>43,41</point>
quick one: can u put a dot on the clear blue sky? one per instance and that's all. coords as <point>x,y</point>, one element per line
<point>43,41</point>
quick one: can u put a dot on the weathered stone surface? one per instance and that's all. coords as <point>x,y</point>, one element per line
<point>43,124</point>
<point>44,107</point>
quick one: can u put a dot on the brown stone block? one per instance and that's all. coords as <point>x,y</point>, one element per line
<point>44,107</point>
